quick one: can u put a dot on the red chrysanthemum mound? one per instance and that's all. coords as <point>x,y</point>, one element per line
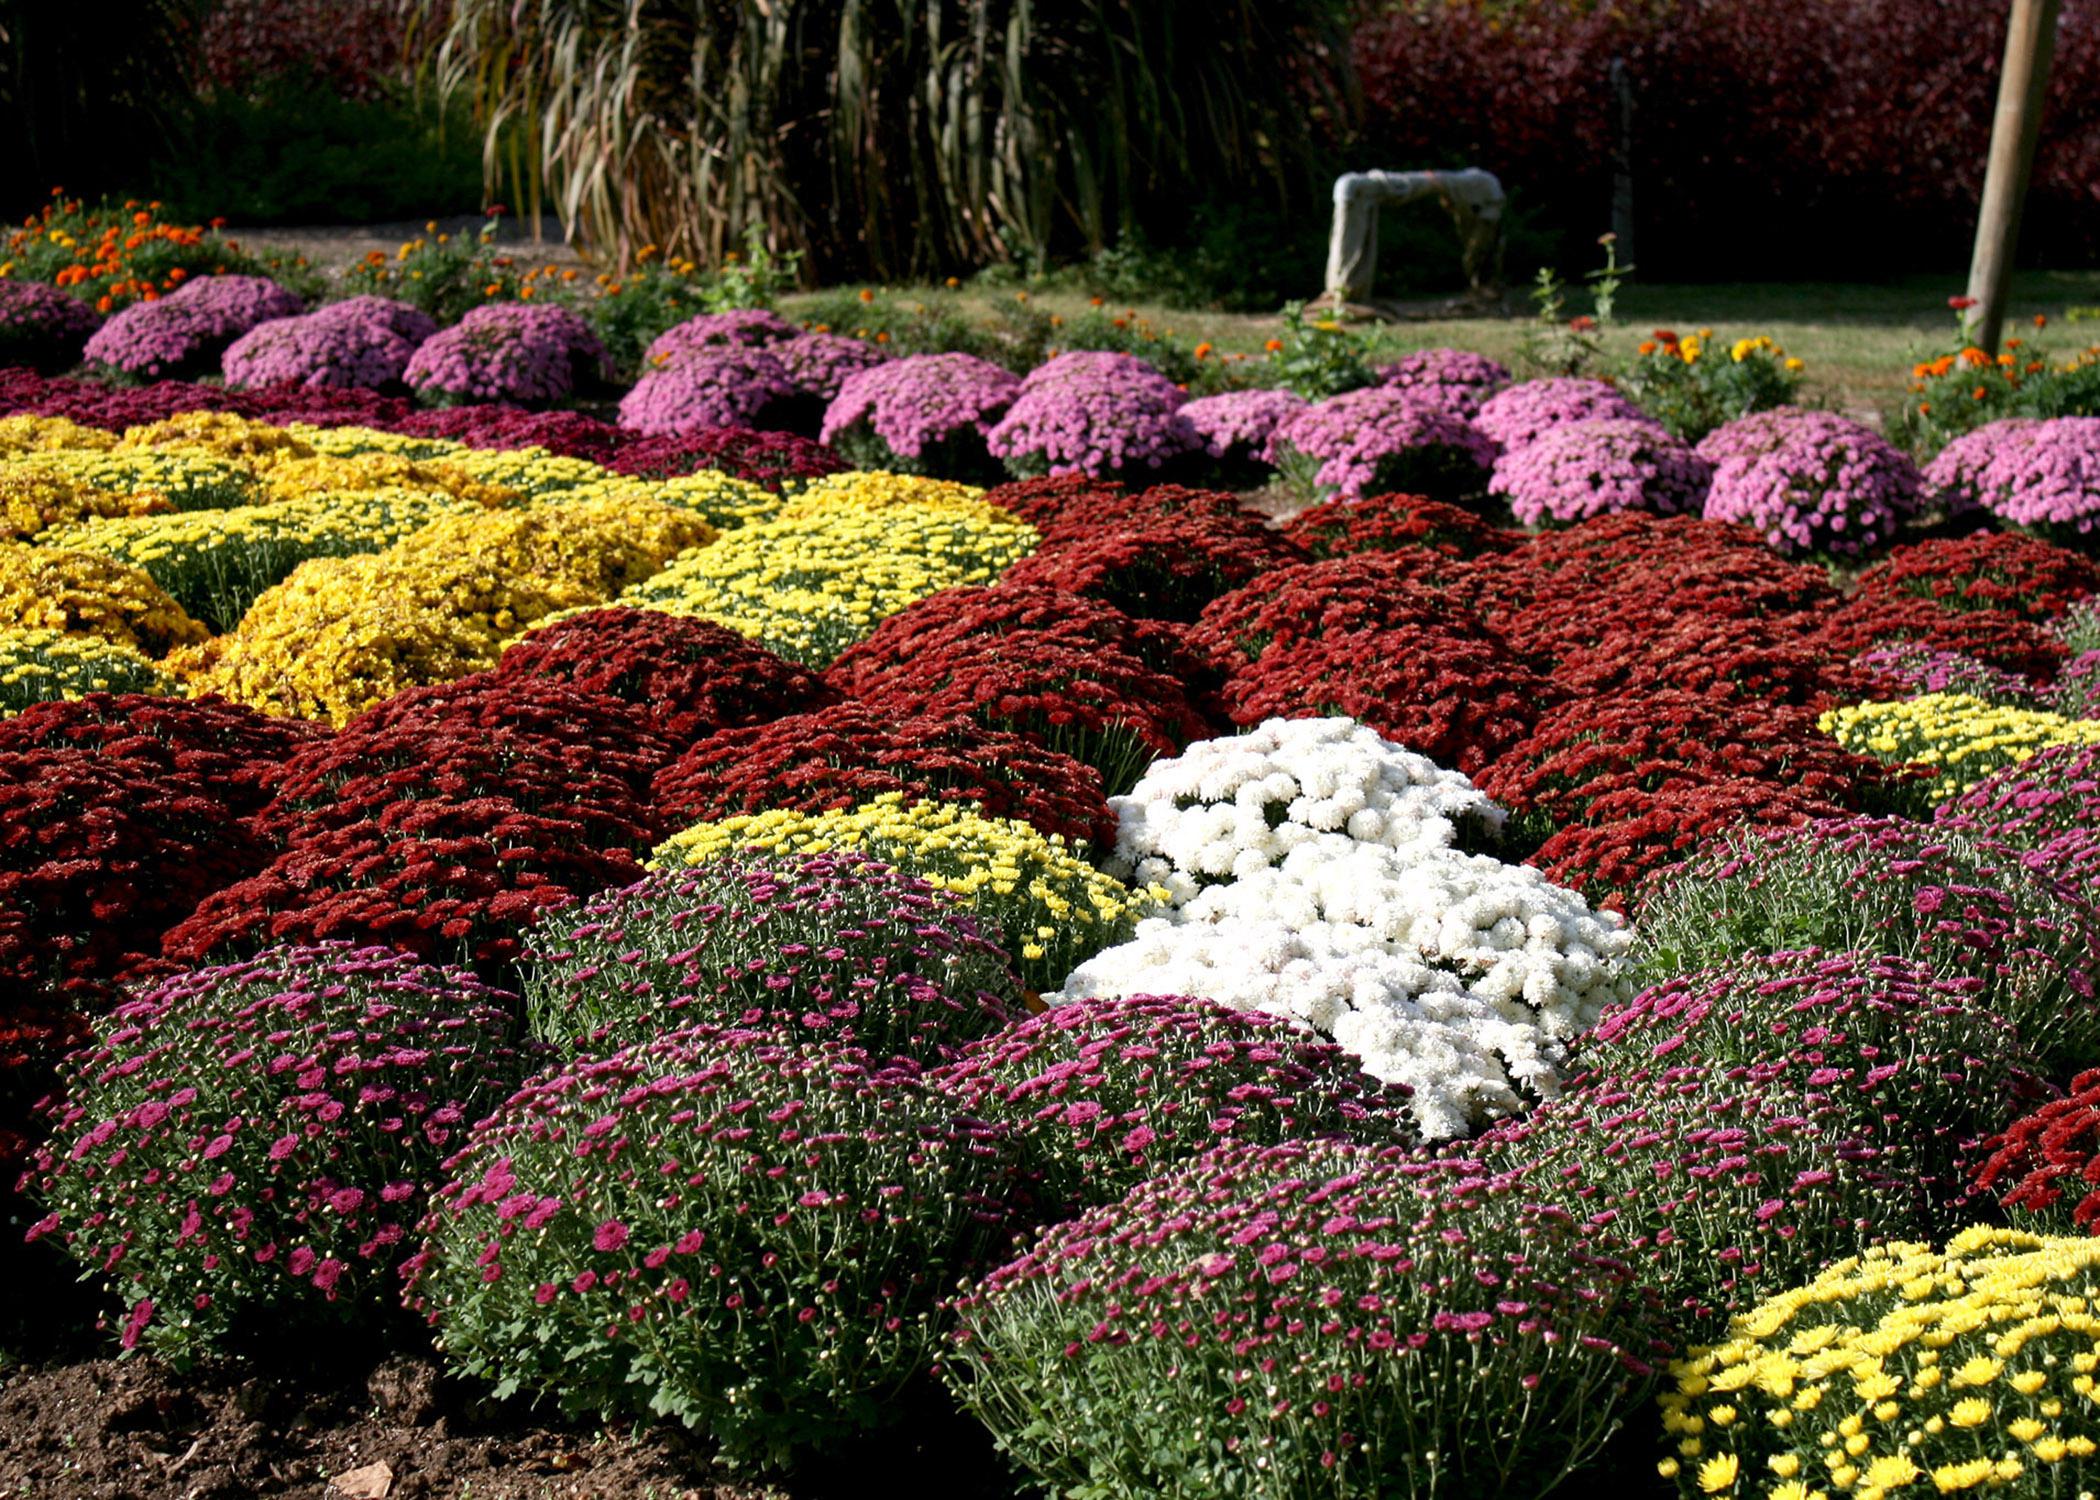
<point>1994,636</point>
<point>2048,1163</point>
<point>1067,506</point>
<point>1461,700</point>
<point>2019,575</point>
<point>1307,601</point>
<point>569,433</point>
<point>1165,569</point>
<point>843,756</point>
<point>228,748</point>
<point>1397,523</point>
<point>687,677</point>
<point>1753,661</point>
<point>955,617</point>
<point>776,461</point>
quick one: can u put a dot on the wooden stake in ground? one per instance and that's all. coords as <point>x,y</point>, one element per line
<point>2023,85</point>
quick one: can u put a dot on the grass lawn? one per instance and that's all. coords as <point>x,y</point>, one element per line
<point>1858,338</point>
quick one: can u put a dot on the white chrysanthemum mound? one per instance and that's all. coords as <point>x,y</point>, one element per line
<point>1226,808</point>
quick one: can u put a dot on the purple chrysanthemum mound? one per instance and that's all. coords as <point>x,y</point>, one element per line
<point>1238,424</point>
<point>1453,380</point>
<point>707,388</point>
<point>1093,412</point>
<point>1380,440</point>
<point>186,332</point>
<point>1599,468</point>
<point>1518,415</point>
<point>1911,668</point>
<point>919,404</point>
<point>1102,1094</point>
<point>2044,477</point>
<point>820,362</point>
<point>527,354</point>
<point>41,327</point>
<point>1955,477</point>
<point>741,326</point>
<point>2076,691</point>
<point>249,1146</point>
<point>364,342</point>
<point>1811,481</point>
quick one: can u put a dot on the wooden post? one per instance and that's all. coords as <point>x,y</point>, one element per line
<point>2023,85</point>
<point>1622,158</point>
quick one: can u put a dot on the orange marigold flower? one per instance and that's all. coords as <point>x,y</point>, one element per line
<point>867,295</point>
<point>1648,346</point>
<point>1274,346</point>
<point>1203,350</point>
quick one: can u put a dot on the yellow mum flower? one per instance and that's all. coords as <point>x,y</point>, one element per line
<point>1717,1475</point>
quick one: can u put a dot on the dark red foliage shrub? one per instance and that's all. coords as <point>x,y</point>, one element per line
<point>1305,601</point>
<point>1633,835</point>
<point>119,407</point>
<point>1461,700</point>
<point>1994,636</point>
<point>227,748</point>
<point>1589,749</point>
<point>1068,505</point>
<point>2003,571</point>
<point>1162,569</point>
<point>1397,523</point>
<point>1771,659</point>
<point>686,677</point>
<point>954,617</point>
<point>2048,1162</point>
<point>569,433</point>
<point>774,461</point>
<point>842,756</point>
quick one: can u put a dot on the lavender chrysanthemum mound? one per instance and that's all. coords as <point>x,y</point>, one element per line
<point>2044,476</point>
<point>927,413</point>
<point>742,326</point>
<point>727,385</point>
<point>42,327</point>
<point>1238,424</point>
<point>524,353</point>
<point>1956,475</point>
<point>1598,468</point>
<point>1093,412</point>
<point>1520,414</point>
<point>819,363</point>
<point>185,332</point>
<point>1810,481</point>
<point>1454,380</point>
<point>364,342</point>
<point>1380,439</point>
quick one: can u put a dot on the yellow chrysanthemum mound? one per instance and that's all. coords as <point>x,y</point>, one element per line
<point>81,593</point>
<point>218,432</point>
<point>724,502</point>
<point>529,471</point>
<point>141,480</point>
<point>349,442</point>
<point>333,474</point>
<point>342,633</point>
<point>36,498</point>
<point>27,434</point>
<point>878,489</point>
<point>1962,738</point>
<point>1050,908</point>
<point>38,666</point>
<point>829,569</point>
<point>1905,1371</point>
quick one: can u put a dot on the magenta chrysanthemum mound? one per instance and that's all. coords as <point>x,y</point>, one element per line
<point>1518,415</point>
<point>2043,476</point>
<point>1238,424</point>
<point>1810,481</point>
<point>745,326</point>
<point>915,412</point>
<point>819,363</point>
<point>1454,380</point>
<point>246,1149</point>
<point>1093,412</point>
<point>1600,467</point>
<point>41,327</point>
<point>705,388</point>
<point>528,354</point>
<point>1910,668</point>
<point>823,1211</point>
<point>1380,439</point>
<point>185,332</point>
<point>1955,477</point>
<point>363,342</point>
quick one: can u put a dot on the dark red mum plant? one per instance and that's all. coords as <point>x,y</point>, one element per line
<point>2048,1163</point>
<point>1162,569</point>
<point>1398,523</point>
<point>2020,575</point>
<point>776,461</point>
<point>1305,601</point>
<point>1995,636</point>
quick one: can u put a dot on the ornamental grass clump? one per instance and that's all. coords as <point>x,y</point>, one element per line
<point>844,755</point>
<point>1599,467</point>
<point>818,947</point>
<point>522,353</point>
<point>714,388</point>
<point>1811,482</point>
<point>1377,439</point>
<point>1101,1095</point>
<point>184,333</point>
<point>1523,413</point>
<point>41,328</point>
<point>360,342</point>
<point>924,414</point>
<point>779,1300</point>
<point>52,666</point>
<point>1904,1369</point>
<point>1962,741</point>
<point>244,1151</point>
<point>1094,412</point>
<point>1048,907</point>
<point>686,677</point>
<point>1313,1319</point>
<point>1964,905</point>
